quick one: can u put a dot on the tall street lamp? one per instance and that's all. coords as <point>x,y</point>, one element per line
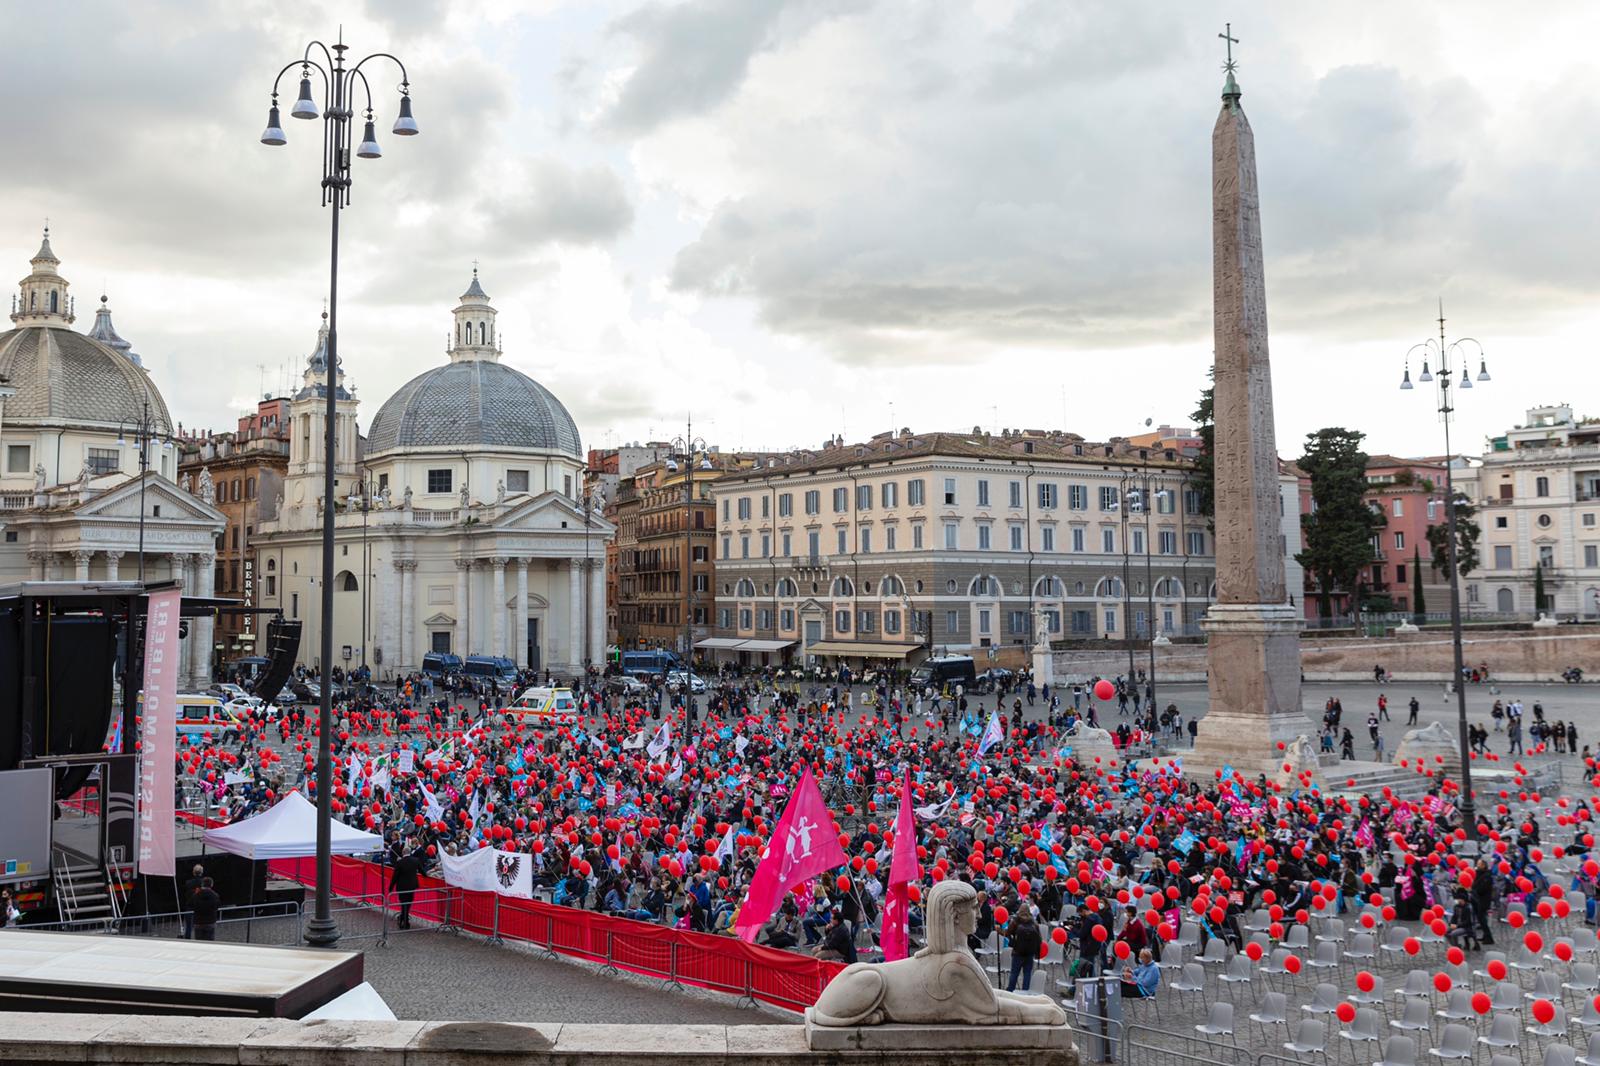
<point>339,85</point>
<point>686,446</point>
<point>147,430</point>
<point>1444,353</point>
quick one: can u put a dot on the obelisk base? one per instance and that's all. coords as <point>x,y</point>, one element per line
<point>1253,659</point>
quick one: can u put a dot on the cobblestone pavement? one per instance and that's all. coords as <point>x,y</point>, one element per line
<point>432,976</point>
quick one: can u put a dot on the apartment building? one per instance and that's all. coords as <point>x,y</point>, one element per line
<point>910,543</point>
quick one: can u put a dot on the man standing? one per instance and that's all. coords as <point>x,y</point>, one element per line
<point>207,907</point>
<point>190,887</point>
<point>403,881</point>
<point>1414,706</point>
<point>1025,944</point>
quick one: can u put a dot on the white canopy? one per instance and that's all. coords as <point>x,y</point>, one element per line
<point>288,830</point>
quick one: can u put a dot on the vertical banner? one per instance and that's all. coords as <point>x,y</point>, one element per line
<point>158,735</point>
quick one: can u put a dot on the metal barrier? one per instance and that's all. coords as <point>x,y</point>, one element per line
<point>375,915</point>
<point>1165,1047</point>
<point>259,923</point>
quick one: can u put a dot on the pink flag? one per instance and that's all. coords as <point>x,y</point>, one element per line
<point>902,872</point>
<point>159,735</point>
<point>803,845</point>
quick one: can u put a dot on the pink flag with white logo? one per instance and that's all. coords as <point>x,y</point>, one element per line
<point>802,846</point>
<point>158,735</point>
<point>903,870</point>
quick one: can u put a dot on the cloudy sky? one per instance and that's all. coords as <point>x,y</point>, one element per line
<point>802,217</point>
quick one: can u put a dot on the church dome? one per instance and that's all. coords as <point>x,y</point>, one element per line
<point>474,401</point>
<point>473,404</point>
<point>62,376</point>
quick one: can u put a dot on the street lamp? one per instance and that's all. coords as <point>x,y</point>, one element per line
<point>339,86</point>
<point>590,502</point>
<point>686,446</point>
<point>1444,353</point>
<point>148,429</point>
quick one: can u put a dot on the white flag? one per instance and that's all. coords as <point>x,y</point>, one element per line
<point>740,743</point>
<point>661,741</point>
<point>513,874</point>
<point>934,811</point>
<point>992,733</point>
<point>635,742</point>
<point>229,777</point>
<point>435,812</point>
<point>408,761</point>
<point>677,771</point>
<point>476,810</point>
<point>724,849</point>
<point>474,871</point>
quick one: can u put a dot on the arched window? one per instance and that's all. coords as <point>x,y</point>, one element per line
<point>272,564</point>
<point>345,581</point>
<point>1505,601</point>
<point>746,589</point>
<point>55,301</point>
<point>1049,588</point>
<point>891,586</point>
<point>843,586</point>
<point>786,589</point>
<point>983,585</point>
<point>483,333</point>
<point>1108,588</point>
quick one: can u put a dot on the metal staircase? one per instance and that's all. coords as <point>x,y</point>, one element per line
<point>83,893</point>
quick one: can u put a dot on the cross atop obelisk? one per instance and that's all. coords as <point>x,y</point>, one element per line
<point>1253,647</point>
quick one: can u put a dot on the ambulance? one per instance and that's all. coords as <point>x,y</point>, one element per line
<point>539,707</point>
<point>202,714</point>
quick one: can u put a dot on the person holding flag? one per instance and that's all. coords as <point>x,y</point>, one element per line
<point>802,847</point>
<point>904,870</point>
<point>993,733</point>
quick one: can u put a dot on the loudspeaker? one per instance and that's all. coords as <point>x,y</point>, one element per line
<point>71,662</point>
<point>283,644</point>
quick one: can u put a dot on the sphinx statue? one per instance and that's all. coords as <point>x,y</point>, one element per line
<point>940,985</point>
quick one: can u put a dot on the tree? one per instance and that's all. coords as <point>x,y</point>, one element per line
<point>1204,478</point>
<point>1466,540</point>
<point>1538,587</point>
<point>1419,610</point>
<point>1338,532</point>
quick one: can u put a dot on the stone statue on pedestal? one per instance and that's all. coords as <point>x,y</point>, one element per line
<point>207,489</point>
<point>941,984</point>
<point>405,501</point>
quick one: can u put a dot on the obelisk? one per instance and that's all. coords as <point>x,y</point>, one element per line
<point>1253,632</point>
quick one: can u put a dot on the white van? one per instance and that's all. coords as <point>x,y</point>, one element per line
<point>542,706</point>
<point>201,713</point>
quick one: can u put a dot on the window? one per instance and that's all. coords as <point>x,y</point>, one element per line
<point>1078,539</point>
<point>866,539</point>
<point>863,497</point>
<point>106,461</point>
<point>1108,540</point>
<point>725,509</point>
<point>700,554</point>
<point>813,543</point>
<point>1016,622</point>
<point>843,541</point>
<point>1399,540</point>
<point>725,617</point>
<point>566,486</point>
<point>785,505</point>
<point>1016,538</point>
<point>1400,573</point>
<point>744,508</point>
<point>786,546</point>
<point>1138,542</point>
<point>1541,486</point>
<point>441,480</point>
<point>1500,522</point>
<point>727,547</point>
<point>744,546</point>
<point>744,618</point>
<point>949,491</point>
<point>841,500</point>
<point>766,507</point>
<point>764,618</point>
<point>1078,497</point>
<point>841,621</point>
<point>1166,503</point>
<point>1047,496</point>
<point>983,622</point>
<point>983,494</point>
<point>952,621</point>
<point>1108,497</point>
<point>952,531</point>
<point>916,537</point>
<point>19,459</point>
<point>1591,555</point>
<point>888,538</point>
<point>1111,619</point>
<point>1047,539</point>
<point>813,501</point>
<point>294,605</point>
<point>891,621</point>
<point>1547,555</point>
<point>1167,542</point>
<point>983,537</point>
<point>786,618</point>
<point>915,496</point>
<point>1588,519</point>
<point>1502,557</point>
<point>701,582</point>
<point>1399,509</point>
<point>766,545</point>
<point>891,495</point>
<point>865,622</point>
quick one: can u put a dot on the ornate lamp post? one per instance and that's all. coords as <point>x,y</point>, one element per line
<point>1444,353</point>
<point>339,85</point>
<point>147,430</point>
<point>686,446</point>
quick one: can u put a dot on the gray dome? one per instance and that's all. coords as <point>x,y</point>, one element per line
<point>66,377</point>
<point>474,403</point>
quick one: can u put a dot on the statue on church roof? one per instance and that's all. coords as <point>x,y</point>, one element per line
<point>207,490</point>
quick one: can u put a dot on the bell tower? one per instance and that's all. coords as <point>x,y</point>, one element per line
<point>308,418</point>
<point>43,300</point>
<point>474,334</point>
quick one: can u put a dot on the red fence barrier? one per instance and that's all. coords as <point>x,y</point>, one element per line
<point>719,963</point>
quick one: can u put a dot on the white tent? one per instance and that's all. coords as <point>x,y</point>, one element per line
<point>288,830</point>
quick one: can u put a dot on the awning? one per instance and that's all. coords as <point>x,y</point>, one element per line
<point>288,830</point>
<point>725,643</point>
<point>870,650</point>
<point>764,645</point>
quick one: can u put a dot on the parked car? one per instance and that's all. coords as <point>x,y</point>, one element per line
<point>994,677</point>
<point>676,679</point>
<point>626,686</point>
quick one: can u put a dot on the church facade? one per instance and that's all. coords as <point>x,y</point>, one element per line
<point>458,527</point>
<point>71,493</point>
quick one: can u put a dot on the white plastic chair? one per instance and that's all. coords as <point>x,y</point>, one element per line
<point>1419,984</point>
<point>1309,1039</point>
<point>1482,971</point>
<point>1590,1018</point>
<point>1546,985</point>
<point>1219,1022</point>
<point>1457,1006</point>
<point>1585,979</point>
<point>1259,921</point>
<point>1502,1033</point>
<point>1192,979</point>
<point>1585,944</point>
<point>1525,961</point>
<point>1416,1018</point>
<point>1332,931</point>
<point>1299,938</point>
<point>1238,971</point>
<point>1274,966</point>
<point>1456,1043</point>
<point>1592,1056</point>
<point>1365,1029</point>
<point>1399,1050</point>
<point>1324,1000</point>
<point>1370,999</point>
<point>1274,1010</point>
<point>1505,996</point>
<point>1555,1027</point>
<point>1394,941</point>
<point>1216,952</point>
<point>1363,947</point>
<point>1560,1055</point>
<point>1326,956</point>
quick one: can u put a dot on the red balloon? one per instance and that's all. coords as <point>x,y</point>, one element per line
<point>1482,1003</point>
<point>1104,689</point>
<point>1543,1011</point>
<point>1346,1013</point>
<point>1364,981</point>
<point>1412,945</point>
<point>1121,949</point>
<point>1533,942</point>
<point>1059,935</point>
<point>1253,951</point>
<point>1099,934</point>
<point>1441,981</point>
<point>1001,916</point>
<point>1496,969</point>
<point>1292,963</point>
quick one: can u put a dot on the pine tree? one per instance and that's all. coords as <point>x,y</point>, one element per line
<point>1338,532</point>
<point>1538,587</point>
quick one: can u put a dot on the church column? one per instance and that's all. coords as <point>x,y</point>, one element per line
<point>178,563</point>
<point>575,613</point>
<point>39,562</point>
<point>112,561</point>
<point>522,614</point>
<point>204,631</point>
<point>82,557</point>
<point>462,566</point>
<point>597,611</point>
<point>497,605</point>
<point>406,614</point>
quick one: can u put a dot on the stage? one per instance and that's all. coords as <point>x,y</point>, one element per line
<point>105,974</point>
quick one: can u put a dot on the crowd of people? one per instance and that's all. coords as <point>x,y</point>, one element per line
<point>657,808</point>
